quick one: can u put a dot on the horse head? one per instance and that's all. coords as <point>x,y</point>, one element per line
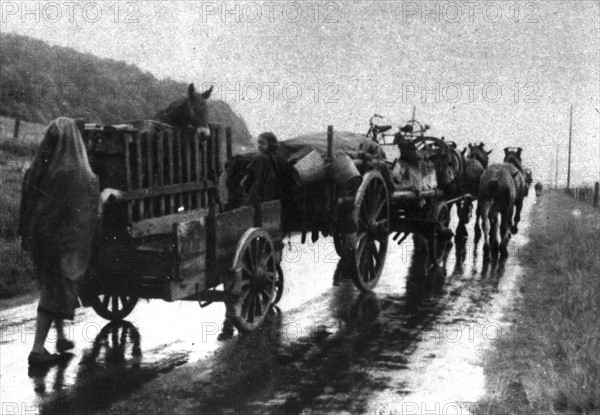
<point>512,155</point>
<point>478,153</point>
<point>189,111</point>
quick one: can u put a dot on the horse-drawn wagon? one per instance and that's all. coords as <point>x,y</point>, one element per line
<point>170,237</point>
<point>359,193</point>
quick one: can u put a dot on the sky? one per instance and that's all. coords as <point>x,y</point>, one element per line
<point>501,72</point>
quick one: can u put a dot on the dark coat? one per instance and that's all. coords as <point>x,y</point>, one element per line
<point>268,178</point>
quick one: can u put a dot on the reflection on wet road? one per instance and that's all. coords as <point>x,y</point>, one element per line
<point>413,345</point>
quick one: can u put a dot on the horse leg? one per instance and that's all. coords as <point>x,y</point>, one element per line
<point>518,206</point>
<point>464,212</point>
<point>477,224</point>
<point>483,212</point>
<point>505,234</point>
<point>494,233</point>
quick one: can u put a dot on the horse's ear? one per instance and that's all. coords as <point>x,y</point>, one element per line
<point>506,151</point>
<point>488,152</point>
<point>206,94</point>
<point>481,144</point>
<point>519,151</point>
<point>464,151</point>
<point>191,92</point>
<point>470,145</point>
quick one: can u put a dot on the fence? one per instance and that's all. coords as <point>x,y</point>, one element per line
<point>586,194</point>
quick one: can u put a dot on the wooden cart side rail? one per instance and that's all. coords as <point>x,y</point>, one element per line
<point>170,171</point>
<point>171,189</point>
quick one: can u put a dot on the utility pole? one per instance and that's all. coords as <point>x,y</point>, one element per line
<point>556,170</point>
<point>570,135</point>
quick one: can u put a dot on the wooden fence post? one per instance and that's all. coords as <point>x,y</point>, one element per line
<point>329,142</point>
<point>596,186</point>
<point>17,125</point>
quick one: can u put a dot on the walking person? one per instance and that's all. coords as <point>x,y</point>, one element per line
<point>59,212</point>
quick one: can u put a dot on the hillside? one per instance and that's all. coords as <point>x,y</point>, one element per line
<point>42,82</point>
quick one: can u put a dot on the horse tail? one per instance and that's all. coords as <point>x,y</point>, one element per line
<point>493,187</point>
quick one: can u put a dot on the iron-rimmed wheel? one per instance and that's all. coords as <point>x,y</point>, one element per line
<point>371,216</point>
<point>256,280</point>
<point>438,240</point>
<point>114,307</point>
<point>279,284</point>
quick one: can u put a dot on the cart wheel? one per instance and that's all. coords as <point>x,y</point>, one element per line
<point>114,306</point>
<point>255,262</point>
<point>278,285</point>
<point>437,243</point>
<point>369,243</point>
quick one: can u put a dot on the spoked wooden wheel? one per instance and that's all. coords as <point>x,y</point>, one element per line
<point>256,268</point>
<point>114,306</point>
<point>279,284</point>
<point>369,243</point>
<point>438,241</point>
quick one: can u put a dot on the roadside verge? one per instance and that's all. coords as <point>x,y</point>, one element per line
<point>552,364</point>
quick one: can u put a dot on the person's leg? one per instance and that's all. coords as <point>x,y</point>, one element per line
<point>62,343</point>
<point>43,323</point>
<point>60,331</point>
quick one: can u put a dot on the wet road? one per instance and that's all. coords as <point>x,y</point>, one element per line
<point>414,345</point>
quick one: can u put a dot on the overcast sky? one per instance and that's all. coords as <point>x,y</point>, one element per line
<point>502,72</point>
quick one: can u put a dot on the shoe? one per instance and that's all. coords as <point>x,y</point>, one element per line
<point>42,359</point>
<point>62,345</point>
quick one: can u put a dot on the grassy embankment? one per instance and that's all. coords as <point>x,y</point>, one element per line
<point>15,268</point>
<point>552,364</point>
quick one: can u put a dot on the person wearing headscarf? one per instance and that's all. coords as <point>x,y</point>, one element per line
<point>59,212</point>
<point>268,175</point>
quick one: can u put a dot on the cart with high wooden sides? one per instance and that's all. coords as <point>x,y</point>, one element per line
<point>169,237</point>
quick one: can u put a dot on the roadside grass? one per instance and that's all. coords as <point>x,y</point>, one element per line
<point>15,155</point>
<point>552,365</point>
<point>30,135</point>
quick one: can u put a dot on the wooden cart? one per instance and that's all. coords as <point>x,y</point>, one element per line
<point>170,237</point>
<point>362,219</point>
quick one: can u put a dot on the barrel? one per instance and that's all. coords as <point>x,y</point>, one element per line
<point>309,169</point>
<point>344,171</point>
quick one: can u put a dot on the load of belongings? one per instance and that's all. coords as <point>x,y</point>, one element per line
<point>413,170</point>
<point>307,155</point>
<point>435,164</point>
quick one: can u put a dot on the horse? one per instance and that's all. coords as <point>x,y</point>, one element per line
<point>512,156</point>
<point>196,110</point>
<point>476,161</point>
<point>501,189</point>
<point>191,110</point>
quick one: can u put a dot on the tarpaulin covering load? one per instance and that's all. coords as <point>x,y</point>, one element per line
<point>342,140</point>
